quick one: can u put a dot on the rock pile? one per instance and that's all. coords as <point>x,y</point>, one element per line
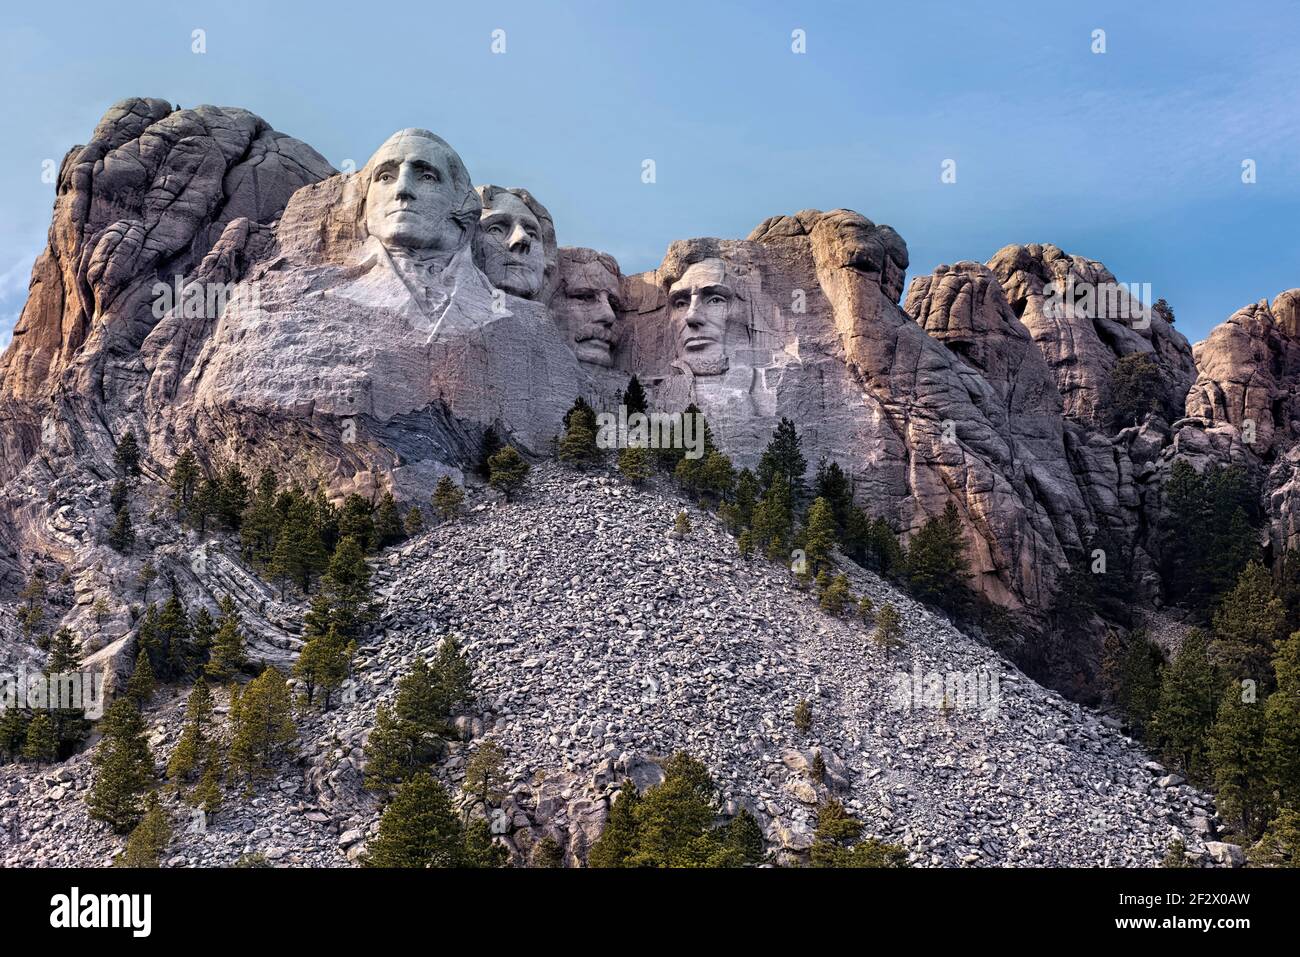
<point>602,644</point>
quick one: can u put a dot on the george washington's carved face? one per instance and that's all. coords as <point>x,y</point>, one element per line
<point>701,303</point>
<point>413,194</point>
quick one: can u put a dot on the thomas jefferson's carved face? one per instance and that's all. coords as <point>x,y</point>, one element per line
<point>510,240</point>
<point>700,303</point>
<point>411,195</point>
<point>585,307</point>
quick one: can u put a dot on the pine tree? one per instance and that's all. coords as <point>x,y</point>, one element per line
<point>1282,725</point>
<point>142,683</point>
<point>356,520</point>
<point>119,497</point>
<point>783,458</point>
<point>1207,538</point>
<point>203,630</point>
<point>508,471</point>
<point>746,497</point>
<point>1236,753</point>
<point>179,658</point>
<point>546,853</point>
<point>260,525</point>
<point>634,464</point>
<point>675,820</point>
<point>13,732</point>
<point>149,838</point>
<point>744,837</point>
<point>195,740</point>
<point>1280,845</point>
<point>618,841</point>
<point>452,675</point>
<point>1175,855</point>
<point>1136,388</point>
<point>147,576</point>
<point>232,496</point>
<point>183,480</point>
<point>773,518</point>
<point>35,590</point>
<point>344,598</point>
<point>124,769</point>
<point>70,724</point>
<point>227,657</point>
<point>99,610</point>
<point>42,743</point>
<point>936,561</point>
<point>122,535</point>
<point>490,446</point>
<point>1248,625</point>
<point>207,795</point>
<point>1134,679</point>
<point>447,498</point>
<point>388,522</point>
<point>485,772</point>
<point>578,445</point>
<point>299,554</point>
<point>413,523</point>
<point>634,398</point>
<point>324,663</point>
<point>889,627</point>
<point>127,455</point>
<point>480,848</point>
<point>262,728</point>
<point>205,504</point>
<point>836,596</point>
<point>419,828</point>
<point>1188,704</point>
<point>833,485</point>
<point>682,524</point>
<point>836,843</point>
<point>820,537</point>
<point>395,750</point>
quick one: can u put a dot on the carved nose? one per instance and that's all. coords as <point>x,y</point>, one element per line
<point>519,240</point>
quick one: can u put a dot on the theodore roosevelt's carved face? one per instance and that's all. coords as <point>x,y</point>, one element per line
<point>413,193</point>
<point>585,306</point>
<point>701,303</point>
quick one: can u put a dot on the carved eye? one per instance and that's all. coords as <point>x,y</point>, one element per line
<point>431,176</point>
<point>716,300</point>
<point>680,303</point>
<point>496,229</point>
<point>385,176</point>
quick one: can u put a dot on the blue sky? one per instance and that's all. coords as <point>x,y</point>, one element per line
<point>1132,157</point>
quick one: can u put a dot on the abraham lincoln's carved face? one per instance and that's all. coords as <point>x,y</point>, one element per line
<point>701,303</point>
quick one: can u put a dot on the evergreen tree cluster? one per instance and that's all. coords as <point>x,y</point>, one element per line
<point>676,823</point>
<point>47,734</point>
<point>1225,711</point>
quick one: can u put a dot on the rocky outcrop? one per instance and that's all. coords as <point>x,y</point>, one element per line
<point>1084,321</point>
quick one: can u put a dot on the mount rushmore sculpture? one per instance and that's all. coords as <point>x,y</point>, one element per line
<point>377,323</point>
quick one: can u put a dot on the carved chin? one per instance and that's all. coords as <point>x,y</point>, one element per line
<point>595,352</point>
<point>520,282</point>
<point>708,365</point>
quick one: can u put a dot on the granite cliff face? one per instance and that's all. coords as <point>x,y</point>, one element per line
<point>211,282</point>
